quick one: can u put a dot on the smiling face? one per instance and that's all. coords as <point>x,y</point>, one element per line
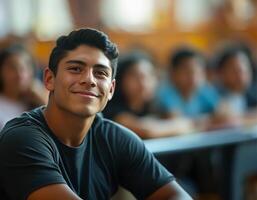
<point>83,83</point>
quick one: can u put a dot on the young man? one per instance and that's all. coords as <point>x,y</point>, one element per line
<point>66,150</point>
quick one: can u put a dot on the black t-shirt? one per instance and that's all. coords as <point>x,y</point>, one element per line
<point>110,155</point>
<point>113,109</point>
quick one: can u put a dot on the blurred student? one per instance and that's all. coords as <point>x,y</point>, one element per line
<point>234,85</point>
<point>134,104</point>
<point>185,92</point>
<point>19,91</point>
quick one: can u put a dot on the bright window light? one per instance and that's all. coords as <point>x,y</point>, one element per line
<point>22,17</point>
<point>129,15</point>
<point>191,12</point>
<point>54,18</point>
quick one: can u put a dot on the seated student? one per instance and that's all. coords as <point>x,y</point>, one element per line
<point>19,91</point>
<point>251,94</point>
<point>133,103</point>
<point>66,150</point>
<point>234,81</point>
<point>185,92</point>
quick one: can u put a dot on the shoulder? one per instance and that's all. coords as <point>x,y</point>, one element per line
<point>169,96</point>
<point>112,127</point>
<point>24,132</point>
<point>113,109</point>
<point>23,137</point>
<point>18,128</point>
<point>114,132</point>
<point>33,117</point>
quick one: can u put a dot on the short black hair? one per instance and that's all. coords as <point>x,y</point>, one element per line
<point>86,36</point>
<point>225,54</point>
<point>182,53</point>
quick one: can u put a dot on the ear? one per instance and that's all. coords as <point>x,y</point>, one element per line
<point>49,79</point>
<point>112,89</point>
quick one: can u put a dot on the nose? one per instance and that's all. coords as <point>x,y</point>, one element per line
<point>87,77</point>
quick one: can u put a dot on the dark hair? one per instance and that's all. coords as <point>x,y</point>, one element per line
<point>126,62</point>
<point>79,37</point>
<point>225,54</point>
<point>177,57</point>
<point>6,53</point>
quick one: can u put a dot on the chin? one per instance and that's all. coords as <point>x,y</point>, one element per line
<point>84,112</point>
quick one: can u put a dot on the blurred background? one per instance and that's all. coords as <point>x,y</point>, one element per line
<point>187,67</point>
<point>156,25</point>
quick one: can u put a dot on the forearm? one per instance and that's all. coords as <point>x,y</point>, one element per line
<point>170,127</point>
<point>171,191</point>
<point>147,127</point>
<point>52,192</point>
<point>180,194</point>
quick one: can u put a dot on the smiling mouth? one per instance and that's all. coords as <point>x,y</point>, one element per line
<point>87,94</point>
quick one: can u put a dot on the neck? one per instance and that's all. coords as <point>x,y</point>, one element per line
<point>186,94</point>
<point>67,127</point>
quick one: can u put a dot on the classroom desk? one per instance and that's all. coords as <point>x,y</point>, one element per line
<point>240,150</point>
<point>201,140</point>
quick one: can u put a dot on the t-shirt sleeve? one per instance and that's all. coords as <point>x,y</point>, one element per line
<point>139,171</point>
<point>28,162</point>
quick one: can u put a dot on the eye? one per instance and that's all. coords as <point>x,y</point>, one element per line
<point>101,73</point>
<point>75,69</point>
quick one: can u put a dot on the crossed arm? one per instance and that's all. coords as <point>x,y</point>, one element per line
<point>170,191</point>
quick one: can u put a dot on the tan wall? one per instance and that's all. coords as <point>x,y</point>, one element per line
<point>161,43</point>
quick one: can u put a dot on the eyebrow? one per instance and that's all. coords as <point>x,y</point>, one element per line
<point>98,65</point>
<point>103,66</point>
<point>76,62</point>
